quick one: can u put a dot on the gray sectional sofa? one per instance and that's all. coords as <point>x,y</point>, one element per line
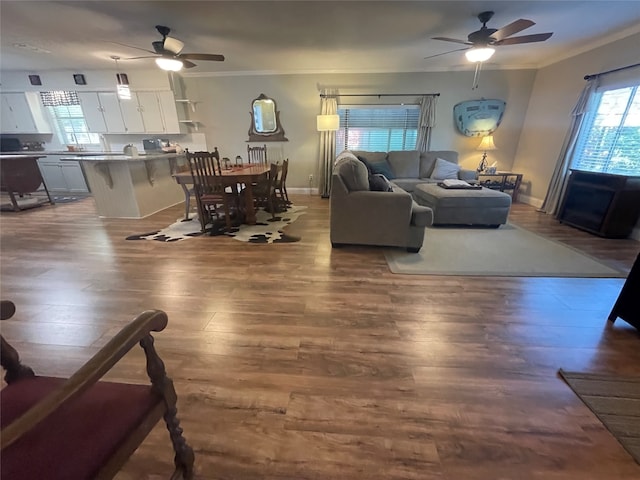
<point>411,167</point>
<point>363,217</point>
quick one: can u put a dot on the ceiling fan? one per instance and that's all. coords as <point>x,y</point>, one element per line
<point>167,52</point>
<point>481,42</point>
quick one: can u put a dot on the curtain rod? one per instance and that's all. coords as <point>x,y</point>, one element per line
<point>322,95</point>
<point>594,75</point>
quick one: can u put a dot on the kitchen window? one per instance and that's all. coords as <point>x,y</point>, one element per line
<point>379,128</point>
<point>68,118</point>
<point>609,141</point>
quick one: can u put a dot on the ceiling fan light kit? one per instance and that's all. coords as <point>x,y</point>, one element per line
<point>479,54</point>
<point>169,64</point>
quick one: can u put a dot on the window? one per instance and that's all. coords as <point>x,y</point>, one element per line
<point>379,128</point>
<point>68,118</point>
<point>609,141</point>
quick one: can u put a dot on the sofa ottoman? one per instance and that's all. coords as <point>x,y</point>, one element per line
<point>464,206</point>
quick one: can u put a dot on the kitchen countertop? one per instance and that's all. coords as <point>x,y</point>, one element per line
<point>124,158</point>
<point>57,152</point>
<point>13,156</point>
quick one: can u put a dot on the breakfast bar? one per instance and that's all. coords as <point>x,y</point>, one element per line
<point>126,186</point>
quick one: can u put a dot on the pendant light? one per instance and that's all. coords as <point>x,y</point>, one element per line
<point>124,93</point>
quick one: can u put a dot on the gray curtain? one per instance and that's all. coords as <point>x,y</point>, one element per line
<point>558,182</point>
<point>328,106</point>
<point>427,122</point>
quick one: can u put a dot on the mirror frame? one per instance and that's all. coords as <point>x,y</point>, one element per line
<point>277,135</point>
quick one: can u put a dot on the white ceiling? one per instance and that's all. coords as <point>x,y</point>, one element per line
<point>299,36</point>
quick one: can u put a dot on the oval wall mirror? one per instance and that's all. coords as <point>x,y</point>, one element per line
<point>265,121</point>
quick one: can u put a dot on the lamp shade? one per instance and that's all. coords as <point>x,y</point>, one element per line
<point>479,54</point>
<point>170,64</point>
<point>487,143</point>
<point>326,123</point>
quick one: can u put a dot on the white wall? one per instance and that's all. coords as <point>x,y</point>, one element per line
<point>555,92</point>
<point>224,105</point>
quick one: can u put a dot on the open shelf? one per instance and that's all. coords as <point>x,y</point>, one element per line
<point>191,103</point>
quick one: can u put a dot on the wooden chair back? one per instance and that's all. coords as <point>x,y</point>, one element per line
<point>257,154</point>
<point>210,188</point>
<point>281,186</point>
<point>34,407</point>
<point>264,192</point>
<point>205,170</point>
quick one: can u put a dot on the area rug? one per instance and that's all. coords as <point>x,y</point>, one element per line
<point>615,401</point>
<point>266,229</point>
<point>506,251</point>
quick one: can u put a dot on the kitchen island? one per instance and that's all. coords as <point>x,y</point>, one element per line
<point>131,186</point>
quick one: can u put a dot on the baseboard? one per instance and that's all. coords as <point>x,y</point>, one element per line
<point>529,200</point>
<point>304,191</point>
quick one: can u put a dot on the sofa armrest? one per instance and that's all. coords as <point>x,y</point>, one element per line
<point>385,204</point>
<point>421,216</point>
<point>467,175</point>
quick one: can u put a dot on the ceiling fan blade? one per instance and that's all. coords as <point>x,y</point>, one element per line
<point>538,37</point>
<point>188,64</point>
<point>173,45</point>
<point>131,46</point>
<point>138,58</point>
<point>445,39</point>
<point>513,27</point>
<point>202,56</point>
<point>450,51</point>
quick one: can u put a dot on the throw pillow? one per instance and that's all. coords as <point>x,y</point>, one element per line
<point>444,170</point>
<point>378,183</point>
<point>366,163</point>
<point>382,168</point>
<point>342,155</point>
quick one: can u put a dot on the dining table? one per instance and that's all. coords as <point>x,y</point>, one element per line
<point>245,174</point>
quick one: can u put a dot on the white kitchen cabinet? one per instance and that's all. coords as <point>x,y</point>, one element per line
<point>150,112</point>
<point>145,112</point>
<point>102,112</point>
<point>23,113</point>
<point>112,114</point>
<point>92,111</point>
<point>62,176</point>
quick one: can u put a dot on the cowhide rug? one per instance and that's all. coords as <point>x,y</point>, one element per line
<point>266,229</point>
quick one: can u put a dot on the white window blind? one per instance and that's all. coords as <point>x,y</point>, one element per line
<point>379,128</point>
<point>71,126</point>
<point>609,141</point>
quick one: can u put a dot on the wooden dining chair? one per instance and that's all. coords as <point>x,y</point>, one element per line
<point>83,426</point>
<point>281,185</point>
<point>264,192</point>
<point>213,195</point>
<point>257,154</point>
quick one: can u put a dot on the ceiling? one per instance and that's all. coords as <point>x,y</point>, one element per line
<point>299,36</point>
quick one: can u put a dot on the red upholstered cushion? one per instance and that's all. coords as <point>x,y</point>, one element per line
<point>78,438</point>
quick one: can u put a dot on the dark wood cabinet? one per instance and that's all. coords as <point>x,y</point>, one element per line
<point>601,203</point>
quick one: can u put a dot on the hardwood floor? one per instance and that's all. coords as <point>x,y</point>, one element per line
<point>296,361</point>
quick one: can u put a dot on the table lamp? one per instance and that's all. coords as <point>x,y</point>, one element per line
<point>328,123</point>
<point>485,145</point>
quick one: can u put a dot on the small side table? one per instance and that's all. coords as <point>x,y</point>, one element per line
<point>503,181</point>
